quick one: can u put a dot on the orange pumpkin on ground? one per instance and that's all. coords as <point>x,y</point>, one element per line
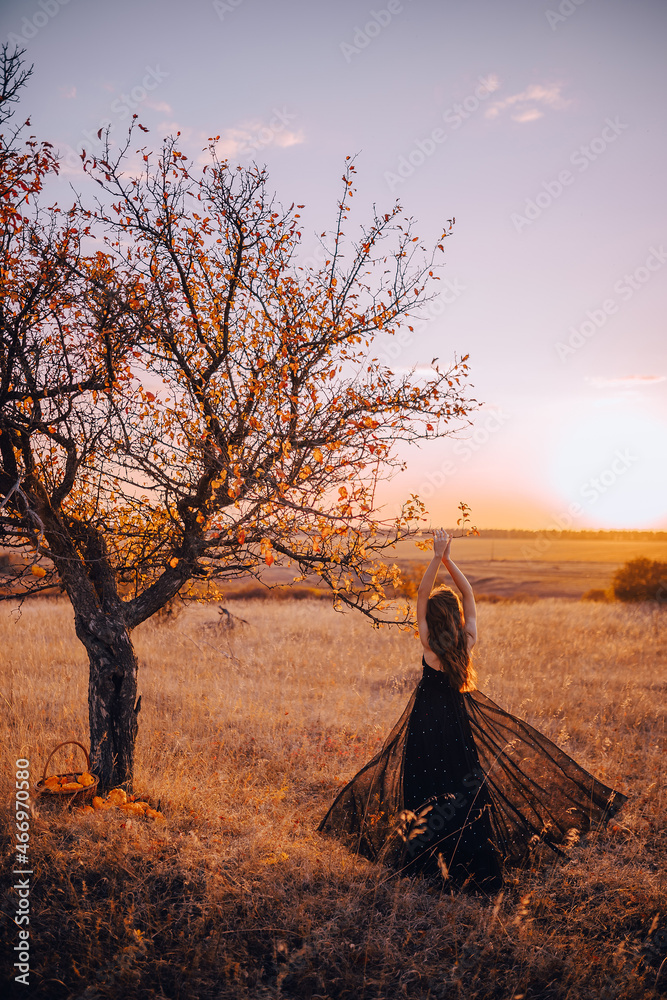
<point>117,797</point>
<point>133,808</point>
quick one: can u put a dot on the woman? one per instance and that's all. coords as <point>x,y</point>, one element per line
<point>462,788</point>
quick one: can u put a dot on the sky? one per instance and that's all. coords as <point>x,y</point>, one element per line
<point>538,126</point>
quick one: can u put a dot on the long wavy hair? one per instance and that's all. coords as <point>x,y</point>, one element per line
<point>448,639</point>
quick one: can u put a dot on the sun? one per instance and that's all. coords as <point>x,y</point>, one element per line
<point>608,460</point>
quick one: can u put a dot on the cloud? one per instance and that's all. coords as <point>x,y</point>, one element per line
<point>289,139</point>
<point>529,104</point>
<point>171,128</point>
<point>624,381</point>
<point>157,105</point>
<point>68,93</point>
<point>251,138</point>
<point>528,116</point>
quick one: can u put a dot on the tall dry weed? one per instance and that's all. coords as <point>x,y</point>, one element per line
<point>246,733</point>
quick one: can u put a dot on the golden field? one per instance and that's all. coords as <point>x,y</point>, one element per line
<point>544,547</point>
<point>245,736</point>
<point>517,568</point>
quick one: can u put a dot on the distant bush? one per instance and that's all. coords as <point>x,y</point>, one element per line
<point>596,595</point>
<point>640,580</point>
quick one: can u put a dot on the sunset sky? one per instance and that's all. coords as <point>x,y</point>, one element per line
<point>539,126</point>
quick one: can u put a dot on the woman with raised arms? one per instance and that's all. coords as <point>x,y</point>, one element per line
<point>461,789</point>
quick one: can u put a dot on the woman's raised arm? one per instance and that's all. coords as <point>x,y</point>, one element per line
<point>467,597</point>
<point>441,548</point>
<point>440,542</point>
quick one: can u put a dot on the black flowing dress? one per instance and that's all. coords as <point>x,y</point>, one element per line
<point>461,789</point>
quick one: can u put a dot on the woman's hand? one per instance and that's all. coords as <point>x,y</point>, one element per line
<point>441,544</point>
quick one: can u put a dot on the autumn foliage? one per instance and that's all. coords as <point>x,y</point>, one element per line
<point>182,402</point>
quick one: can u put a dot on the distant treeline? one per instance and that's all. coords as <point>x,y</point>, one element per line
<point>581,536</point>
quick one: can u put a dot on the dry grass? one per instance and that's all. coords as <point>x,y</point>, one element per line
<point>245,736</point>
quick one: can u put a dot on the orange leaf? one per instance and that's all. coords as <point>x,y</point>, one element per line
<point>317,455</point>
<point>268,559</point>
<point>38,571</point>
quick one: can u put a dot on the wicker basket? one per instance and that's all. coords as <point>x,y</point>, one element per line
<point>64,796</point>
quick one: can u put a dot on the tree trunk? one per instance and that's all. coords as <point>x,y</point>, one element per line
<point>112,697</point>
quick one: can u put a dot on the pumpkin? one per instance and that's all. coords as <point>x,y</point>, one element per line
<point>133,808</point>
<point>86,779</point>
<point>53,782</point>
<point>72,786</point>
<point>117,797</point>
